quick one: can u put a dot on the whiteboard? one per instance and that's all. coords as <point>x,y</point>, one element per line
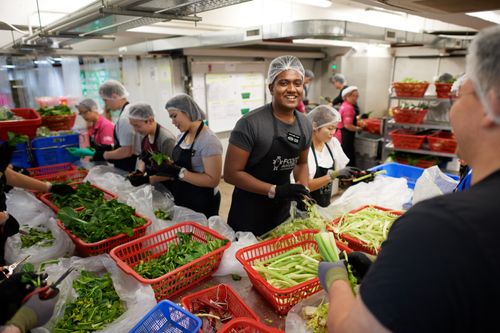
<point>231,95</point>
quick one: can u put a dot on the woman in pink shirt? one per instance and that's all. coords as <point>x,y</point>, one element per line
<point>348,125</point>
<point>102,130</point>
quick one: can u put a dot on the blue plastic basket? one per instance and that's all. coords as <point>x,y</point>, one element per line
<point>397,170</point>
<point>168,317</point>
<point>21,156</point>
<point>52,150</point>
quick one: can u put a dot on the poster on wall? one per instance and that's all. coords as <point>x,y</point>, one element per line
<point>93,73</point>
<point>230,96</point>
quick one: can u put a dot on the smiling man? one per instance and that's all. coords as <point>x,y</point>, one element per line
<point>265,146</point>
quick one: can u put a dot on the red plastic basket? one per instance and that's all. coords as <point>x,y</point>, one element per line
<point>424,164</point>
<point>406,139</point>
<point>443,142</point>
<point>84,249</point>
<point>27,126</point>
<point>409,89</point>
<point>354,243</point>
<point>151,246</point>
<point>247,325</point>
<point>220,293</point>
<point>373,125</point>
<point>443,89</point>
<point>409,116</point>
<point>46,198</point>
<point>282,300</point>
<point>59,123</point>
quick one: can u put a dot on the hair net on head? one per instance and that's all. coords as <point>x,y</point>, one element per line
<point>309,73</point>
<point>458,83</point>
<point>348,90</point>
<point>483,68</point>
<point>284,63</point>
<point>186,104</point>
<point>323,115</point>
<point>110,87</point>
<point>140,111</point>
<point>338,78</point>
<point>87,104</point>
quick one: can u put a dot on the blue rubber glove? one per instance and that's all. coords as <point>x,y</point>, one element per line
<point>80,152</point>
<point>329,272</point>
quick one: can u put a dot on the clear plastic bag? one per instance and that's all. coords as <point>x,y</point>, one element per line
<point>137,298</point>
<point>432,183</point>
<point>25,207</point>
<point>229,264</point>
<point>217,224</point>
<point>295,323</point>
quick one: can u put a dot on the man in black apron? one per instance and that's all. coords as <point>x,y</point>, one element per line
<point>265,146</point>
<point>126,144</point>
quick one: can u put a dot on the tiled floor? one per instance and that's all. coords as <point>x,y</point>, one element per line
<point>226,191</point>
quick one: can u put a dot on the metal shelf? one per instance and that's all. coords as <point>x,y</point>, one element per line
<point>425,98</point>
<point>420,151</point>
<point>426,125</point>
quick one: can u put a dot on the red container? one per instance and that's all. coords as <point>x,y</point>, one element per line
<point>421,163</point>
<point>443,89</point>
<point>409,116</point>
<point>443,142</point>
<point>220,293</point>
<point>46,198</point>
<point>84,249</point>
<point>151,246</point>
<point>354,243</point>
<point>59,123</point>
<point>410,89</point>
<point>27,126</point>
<point>406,139</point>
<point>247,325</point>
<point>282,300</point>
<point>373,125</point>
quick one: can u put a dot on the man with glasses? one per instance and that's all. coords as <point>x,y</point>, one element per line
<point>438,269</point>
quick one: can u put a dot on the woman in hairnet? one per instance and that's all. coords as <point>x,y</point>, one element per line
<point>265,146</point>
<point>156,147</point>
<point>326,159</point>
<point>101,130</point>
<point>197,158</point>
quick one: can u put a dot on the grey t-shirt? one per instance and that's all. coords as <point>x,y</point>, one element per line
<point>206,144</point>
<point>125,132</point>
<point>254,132</point>
<point>165,141</point>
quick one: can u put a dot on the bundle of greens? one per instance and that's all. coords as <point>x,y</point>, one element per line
<point>163,214</point>
<point>159,158</point>
<point>411,80</point>
<point>58,110</point>
<point>36,236</point>
<point>96,306</point>
<point>101,220</point>
<point>14,139</point>
<point>85,195</point>
<point>6,114</point>
<point>177,255</point>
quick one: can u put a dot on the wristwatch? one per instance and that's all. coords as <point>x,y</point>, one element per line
<point>272,192</point>
<point>182,173</point>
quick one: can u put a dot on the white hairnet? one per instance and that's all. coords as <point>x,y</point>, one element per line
<point>186,104</point>
<point>483,66</point>
<point>284,63</point>
<point>87,104</point>
<point>323,115</point>
<point>348,90</point>
<point>338,78</point>
<point>140,111</point>
<point>309,73</point>
<point>458,83</point>
<point>110,87</point>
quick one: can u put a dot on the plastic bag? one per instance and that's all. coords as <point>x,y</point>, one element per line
<point>432,183</point>
<point>62,245</point>
<point>137,298</point>
<point>25,207</point>
<point>294,322</point>
<point>229,264</point>
<point>217,224</point>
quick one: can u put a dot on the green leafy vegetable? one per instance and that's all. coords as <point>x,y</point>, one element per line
<point>58,110</point>
<point>96,306</point>
<point>101,220</point>
<point>159,158</point>
<point>411,80</point>
<point>85,195</point>
<point>177,255</point>
<point>37,236</point>
<point>15,139</point>
<point>6,114</point>
<point>163,214</point>
<point>316,317</point>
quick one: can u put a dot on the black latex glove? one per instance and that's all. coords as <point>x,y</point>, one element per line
<point>5,155</point>
<point>9,228</point>
<point>292,192</point>
<point>13,290</point>
<point>98,156</point>
<point>360,263</point>
<point>62,189</point>
<point>138,180</point>
<point>169,170</point>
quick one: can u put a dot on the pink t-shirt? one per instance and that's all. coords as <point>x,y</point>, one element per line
<point>347,114</point>
<point>102,131</point>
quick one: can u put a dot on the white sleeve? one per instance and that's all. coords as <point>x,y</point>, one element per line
<point>311,164</point>
<point>339,156</point>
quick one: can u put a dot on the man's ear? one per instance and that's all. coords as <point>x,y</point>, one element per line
<point>270,86</point>
<point>493,99</point>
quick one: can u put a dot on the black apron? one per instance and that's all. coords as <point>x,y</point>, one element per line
<point>200,199</point>
<point>146,149</point>
<point>348,138</point>
<point>11,226</point>
<point>322,195</point>
<point>258,213</point>
<point>127,163</point>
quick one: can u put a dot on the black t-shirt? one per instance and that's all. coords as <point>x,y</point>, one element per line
<point>338,100</point>
<point>439,269</point>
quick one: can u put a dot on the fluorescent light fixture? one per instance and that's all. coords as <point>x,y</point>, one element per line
<point>316,3</point>
<point>491,16</point>
<point>385,11</point>
<point>341,43</point>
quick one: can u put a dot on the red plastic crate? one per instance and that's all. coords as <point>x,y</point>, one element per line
<point>354,243</point>
<point>443,142</point>
<point>84,249</point>
<point>46,198</point>
<point>27,126</point>
<point>59,123</point>
<point>373,125</point>
<point>406,139</point>
<point>443,89</point>
<point>421,163</point>
<point>151,246</point>
<point>282,300</point>
<point>220,293</point>
<point>410,89</point>
<point>409,116</point>
<point>247,325</point>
